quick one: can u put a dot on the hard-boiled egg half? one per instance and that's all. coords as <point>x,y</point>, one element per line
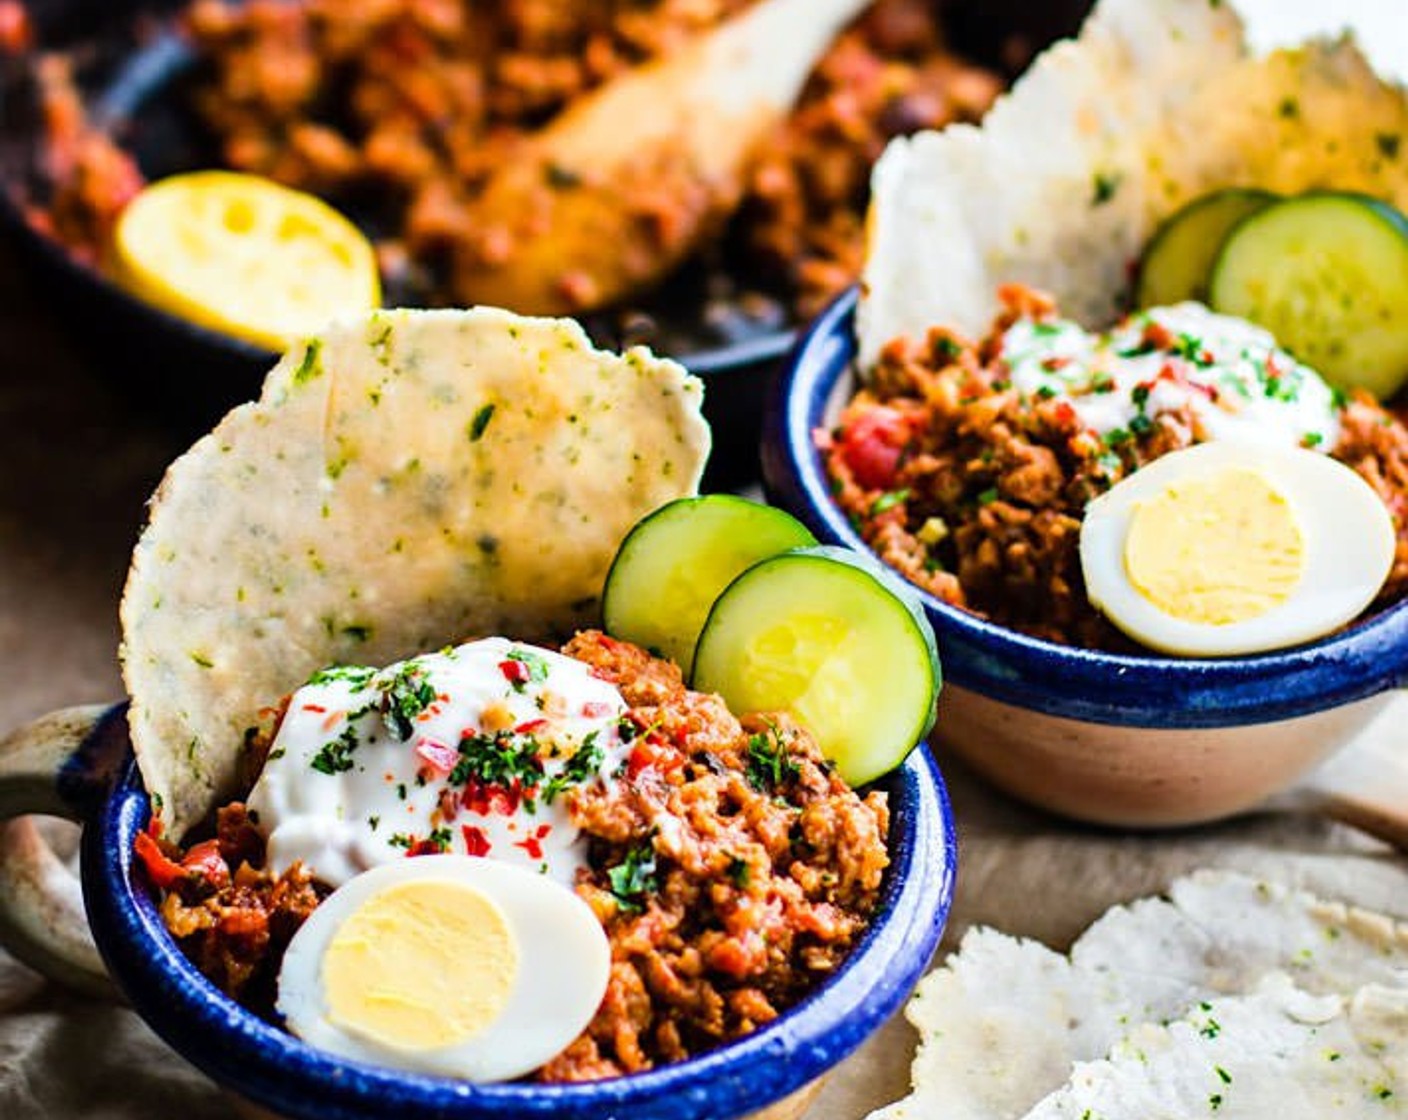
<point>1224,548</point>
<point>451,965</point>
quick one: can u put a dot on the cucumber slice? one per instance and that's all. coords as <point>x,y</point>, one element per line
<point>1179,259</point>
<point>1327,274</point>
<point>673,564</point>
<point>833,639</point>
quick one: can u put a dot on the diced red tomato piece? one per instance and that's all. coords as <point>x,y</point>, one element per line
<point>515,672</point>
<point>204,859</point>
<point>438,757</point>
<point>872,444</point>
<point>163,871</point>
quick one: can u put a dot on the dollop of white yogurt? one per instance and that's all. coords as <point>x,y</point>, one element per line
<point>465,751</point>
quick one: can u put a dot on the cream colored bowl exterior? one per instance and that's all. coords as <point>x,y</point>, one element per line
<point>1139,777</point>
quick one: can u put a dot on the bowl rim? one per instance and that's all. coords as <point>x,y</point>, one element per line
<point>274,1069</point>
<point>1066,681</point>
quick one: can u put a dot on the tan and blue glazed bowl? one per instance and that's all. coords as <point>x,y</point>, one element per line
<point>1131,741</point>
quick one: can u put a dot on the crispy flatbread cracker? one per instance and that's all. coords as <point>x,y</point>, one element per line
<point>1156,103</point>
<point>1277,1052</point>
<point>403,482</point>
<point>1004,1021</point>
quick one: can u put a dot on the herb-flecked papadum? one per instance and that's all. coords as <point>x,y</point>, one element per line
<point>404,482</point>
<point>1158,102</point>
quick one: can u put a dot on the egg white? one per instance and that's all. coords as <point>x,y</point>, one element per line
<point>564,961</point>
<point>1348,538</point>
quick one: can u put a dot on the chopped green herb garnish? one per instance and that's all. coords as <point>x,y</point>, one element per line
<point>358,676</point>
<point>1045,392</point>
<point>310,367</point>
<point>1141,425</point>
<point>405,694</point>
<point>768,762</point>
<point>480,423</point>
<point>634,878</point>
<point>739,872</point>
<point>583,766</point>
<point>1190,348</point>
<point>439,838</point>
<point>988,496</point>
<point>336,757</point>
<point>888,500</point>
<point>497,760</point>
<point>1103,187</point>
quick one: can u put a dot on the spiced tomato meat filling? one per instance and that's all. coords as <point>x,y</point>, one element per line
<point>728,863</point>
<point>969,466</point>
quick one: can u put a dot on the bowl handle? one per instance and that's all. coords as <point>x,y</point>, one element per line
<point>60,765</point>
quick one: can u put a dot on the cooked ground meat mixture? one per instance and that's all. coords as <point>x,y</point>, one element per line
<point>729,864</point>
<point>400,111</point>
<point>974,490</point>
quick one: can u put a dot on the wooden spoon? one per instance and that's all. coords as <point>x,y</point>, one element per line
<point>621,187</point>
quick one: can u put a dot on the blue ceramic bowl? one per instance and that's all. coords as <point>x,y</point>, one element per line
<point>1086,732</point>
<point>275,1071</point>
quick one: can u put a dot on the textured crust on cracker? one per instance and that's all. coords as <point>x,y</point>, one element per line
<point>403,482</point>
<point>1156,103</point>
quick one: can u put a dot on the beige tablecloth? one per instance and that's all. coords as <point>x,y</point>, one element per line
<point>78,458</point>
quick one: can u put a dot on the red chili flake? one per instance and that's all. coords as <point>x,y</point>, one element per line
<point>533,844</point>
<point>438,757</point>
<point>1054,363</point>
<point>423,848</point>
<point>515,672</point>
<point>332,721</point>
<point>596,709</point>
<point>1158,335</point>
<point>1065,413</point>
<point>530,727</point>
<point>475,842</point>
<point>314,708</point>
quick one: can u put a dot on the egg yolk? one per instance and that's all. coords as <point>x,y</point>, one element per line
<point>1216,550</point>
<point>420,965</point>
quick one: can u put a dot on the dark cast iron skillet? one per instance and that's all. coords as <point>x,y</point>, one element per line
<point>132,72</point>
